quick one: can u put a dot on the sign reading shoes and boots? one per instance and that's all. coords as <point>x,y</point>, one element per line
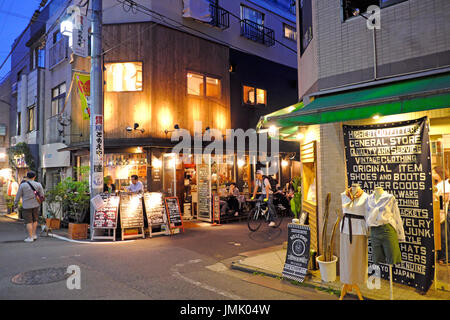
<point>395,157</point>
<point>297,255</point>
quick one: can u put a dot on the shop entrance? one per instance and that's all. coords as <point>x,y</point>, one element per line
<point>440,151</point>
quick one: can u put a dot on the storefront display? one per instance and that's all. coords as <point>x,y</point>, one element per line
<point>396,158</point>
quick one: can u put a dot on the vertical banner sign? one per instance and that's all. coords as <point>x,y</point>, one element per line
<point>297,254</point>
<point>80,38</point>
<point>84,91</point>
<point>396,157</point>
<point>98,152</point>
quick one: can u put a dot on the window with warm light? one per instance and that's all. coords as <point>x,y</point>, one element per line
<point>201,85</point>
<point>212,87</point>
<point>254,96</point>
<point>289,32</point>
<point>123,76</point>
<point>31,122</point>
<point>195,84</point>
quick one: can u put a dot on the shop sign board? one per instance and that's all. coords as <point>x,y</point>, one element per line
<point>106,216</point>
<point>154,208</point>
<point>173,212</point>
<point>396,157</point>
<point>297,254</point>
<point>204,191</point>
<point>216,208</point>
<point>131,211</point>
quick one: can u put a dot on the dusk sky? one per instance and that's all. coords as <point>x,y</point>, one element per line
<point>14,17</point>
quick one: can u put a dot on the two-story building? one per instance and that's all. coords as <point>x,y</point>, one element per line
<point>357,71</point>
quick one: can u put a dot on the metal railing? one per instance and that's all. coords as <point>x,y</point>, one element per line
<point>257,32</point>
<point>57,53</point>
<point>220,17</point>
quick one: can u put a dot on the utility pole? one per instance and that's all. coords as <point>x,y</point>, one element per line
<point>96,107</point>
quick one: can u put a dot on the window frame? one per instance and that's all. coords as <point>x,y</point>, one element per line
<point>57,98</point>
<point>242,6</point>
<point>294,29</point>
<point>31,124</point>
<point>204,93</point>
<point>105,63</point>
<point>19,123</point>
<point>379,4</point>
<point>255,90</point>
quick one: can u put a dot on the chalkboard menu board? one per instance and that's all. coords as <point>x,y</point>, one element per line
<point>154,208</point>
<point>216,208</point>
<point>106,217</point>
<point>173,212</point>
<point>297,255</point>
<point>204,192</point>
<point>131,211</point>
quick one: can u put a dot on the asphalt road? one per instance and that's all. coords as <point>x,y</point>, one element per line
<point>193,265</point>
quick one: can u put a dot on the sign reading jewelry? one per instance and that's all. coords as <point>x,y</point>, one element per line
<point>396,157</point>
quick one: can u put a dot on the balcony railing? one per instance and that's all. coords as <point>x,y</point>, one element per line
<point>257,32</point>
<point>57,53</point>
<point>220,17</point>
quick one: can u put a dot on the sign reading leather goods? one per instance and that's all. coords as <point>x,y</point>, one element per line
<point>297,254</point>
<point>396,157</point>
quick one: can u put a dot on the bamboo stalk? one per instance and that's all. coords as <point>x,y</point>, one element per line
<point>325,223</point>
<point>333,236</point>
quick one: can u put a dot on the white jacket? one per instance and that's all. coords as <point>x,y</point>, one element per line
<point>385,211</point>
<point>358,207</point>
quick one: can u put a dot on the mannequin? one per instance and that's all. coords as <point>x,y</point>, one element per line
<point>386,229</point>
<point>353,243</point>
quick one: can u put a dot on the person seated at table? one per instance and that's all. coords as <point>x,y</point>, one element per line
<point>233,195</point>
<point>136,186</point>
<point>109,186</point>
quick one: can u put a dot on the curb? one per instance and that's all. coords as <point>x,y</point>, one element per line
<point>235,265</point>
<point>86,242</point>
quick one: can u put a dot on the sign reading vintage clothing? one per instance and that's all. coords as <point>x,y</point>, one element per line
<point>396,157</point>
<point>297,254</point>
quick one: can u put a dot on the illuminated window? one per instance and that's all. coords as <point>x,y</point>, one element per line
<point>31,126</point>
<point>212,87</point>
<point>289,32</point>
<point>254,96</point>
<point>197,83</point>
<point>123,76</point>
<point>249,95</point>
<point>261,96</point>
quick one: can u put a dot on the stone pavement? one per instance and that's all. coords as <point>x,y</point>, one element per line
<point>270,261</point>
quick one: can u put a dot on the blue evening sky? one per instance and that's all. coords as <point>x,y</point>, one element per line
<point>14,17</point>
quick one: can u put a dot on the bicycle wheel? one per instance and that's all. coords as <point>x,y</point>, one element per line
<point>254,220</point>
<point>277,218</point>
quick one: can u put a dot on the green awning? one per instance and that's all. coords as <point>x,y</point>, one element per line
<point>421,94</point>
<point>263,121</point>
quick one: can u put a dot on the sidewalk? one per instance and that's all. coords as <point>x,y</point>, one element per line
<point>270,262</point>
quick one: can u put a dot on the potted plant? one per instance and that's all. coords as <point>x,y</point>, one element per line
<point>327,261</point>
<point>76,201</point>
<point>53,199</point>
<point>296,201</point>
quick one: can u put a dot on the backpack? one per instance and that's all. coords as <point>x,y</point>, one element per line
<point>39,198</point>
<point>273,182</point>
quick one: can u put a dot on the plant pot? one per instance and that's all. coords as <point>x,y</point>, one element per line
<point>296,221</point>
<point>327,269</point>
<point>78,231</point>
<point>53,223</point>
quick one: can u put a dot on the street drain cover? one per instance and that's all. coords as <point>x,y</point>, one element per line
<point>41,276</point>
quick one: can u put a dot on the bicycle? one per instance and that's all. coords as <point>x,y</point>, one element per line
<point>260,213</point>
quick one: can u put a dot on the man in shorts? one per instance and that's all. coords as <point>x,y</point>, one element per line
<point>30,204</point>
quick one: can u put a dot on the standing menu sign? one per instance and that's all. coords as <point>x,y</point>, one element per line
<point>156,212</point>
<point>106,217</point>
<point>131,214</point>
<point>174,212</point>
<point>216,209</point>
<point>396,157</point>
<point>204,192</point>
<point>297,254</point>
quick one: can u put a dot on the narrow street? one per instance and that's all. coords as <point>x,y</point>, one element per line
<point>190,266</point>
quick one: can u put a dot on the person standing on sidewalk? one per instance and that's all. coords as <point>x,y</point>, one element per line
<point>30,204</point>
